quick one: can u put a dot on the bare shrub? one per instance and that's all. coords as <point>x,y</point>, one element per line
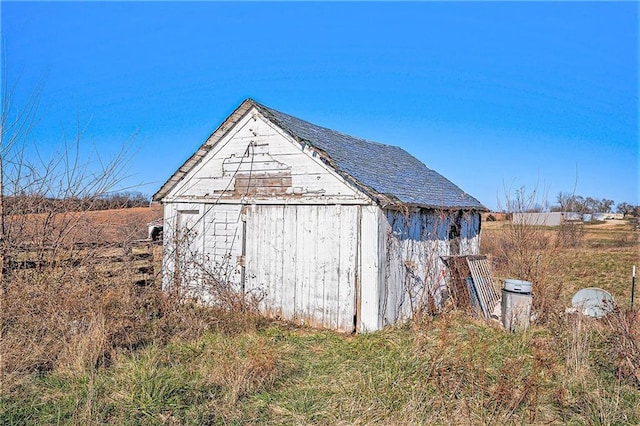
<point>528,251</point>
<point>71,309</point>
<point>193,278</point>
<point>570,234</point>
<point>62,305</point>
<point>624,329</point>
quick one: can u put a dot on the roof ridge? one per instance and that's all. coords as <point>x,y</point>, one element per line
<point>386,170</point>
<point>270,110</point>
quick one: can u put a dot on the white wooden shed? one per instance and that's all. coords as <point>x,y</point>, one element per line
<point>334,231</point>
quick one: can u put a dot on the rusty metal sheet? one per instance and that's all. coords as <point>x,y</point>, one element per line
<point>483,283</point>
<point>471,284</point>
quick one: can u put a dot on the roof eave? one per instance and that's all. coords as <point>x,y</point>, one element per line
<point>211,141</point>
<point>401,205</point>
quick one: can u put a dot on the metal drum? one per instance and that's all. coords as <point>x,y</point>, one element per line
<point>517,300</point>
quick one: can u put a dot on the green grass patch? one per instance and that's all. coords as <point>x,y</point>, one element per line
<point>448,369</point>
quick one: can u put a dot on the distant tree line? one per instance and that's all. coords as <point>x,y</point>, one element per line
<point>628,209</point>
<point>567,202</point>
<point>42,204</point>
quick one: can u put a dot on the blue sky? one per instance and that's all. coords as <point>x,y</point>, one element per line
<point>492,95</point>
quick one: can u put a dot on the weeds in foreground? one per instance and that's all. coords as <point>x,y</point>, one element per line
<point>444,370</point>
<point>139,357</point>
<point>624,329</point>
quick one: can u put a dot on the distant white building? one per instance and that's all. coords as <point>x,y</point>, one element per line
<point>607,216</point>
<point>545,219</point>
<point>557,218</point>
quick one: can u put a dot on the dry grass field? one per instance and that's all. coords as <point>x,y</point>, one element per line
<point>77,348</point>
<point>102,226</point>
<point>603,257</point>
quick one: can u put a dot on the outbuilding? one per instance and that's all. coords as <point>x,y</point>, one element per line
<point>327,229</point>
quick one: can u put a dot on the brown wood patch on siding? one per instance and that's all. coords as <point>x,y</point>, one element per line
<point>271,183</point>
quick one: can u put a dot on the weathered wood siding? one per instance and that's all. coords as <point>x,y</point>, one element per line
<point>371,261</point>
<point>183,247</point>
<point>412,272</point>
<point>202,243</point>
<point>470,223</point>
<point>303,261</point>
<point>264,214</point>
<point>300,253</point>
<point>256,162</point>
<point>222,241</point>
<point>320,265</point>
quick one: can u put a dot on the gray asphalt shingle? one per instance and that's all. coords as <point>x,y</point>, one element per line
<point>382,169</point>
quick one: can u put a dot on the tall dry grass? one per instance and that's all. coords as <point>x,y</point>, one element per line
<point>71,308</point>
<point>531,253</point>
<point>54,321</point>
<point>81,349</point>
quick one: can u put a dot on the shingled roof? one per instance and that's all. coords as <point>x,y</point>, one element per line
<point>387,173</point>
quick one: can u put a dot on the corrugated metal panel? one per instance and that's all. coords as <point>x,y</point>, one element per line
<point>471,284</point>
<point>483,283</point>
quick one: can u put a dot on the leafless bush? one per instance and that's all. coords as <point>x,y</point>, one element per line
<point>570,234</point>
<point>624,327</point>
<point>191,277</point>
<point>67,297</point>
<point>529,252</point>
<point>53,308</point>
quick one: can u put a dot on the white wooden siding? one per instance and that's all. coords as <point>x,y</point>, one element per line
<point>303,260</point>
<point>413,275</point>
<point>470,235</point>
<point>370,279</point>
<point>320,265</point>
<point>222,241</point>
<point>168,238</point>
<point>314,248</point>
<point>182,254</point>
<point>256,161</point>
<point>207,238</point>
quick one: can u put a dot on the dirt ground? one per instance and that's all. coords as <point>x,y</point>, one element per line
<point>99,226</point>
<point>611,223</point>
<point>131,223</point>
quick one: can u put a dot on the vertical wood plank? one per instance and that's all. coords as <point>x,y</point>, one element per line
<point>290,262</point>
<point>369,268</point>
<point>347,263</point>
